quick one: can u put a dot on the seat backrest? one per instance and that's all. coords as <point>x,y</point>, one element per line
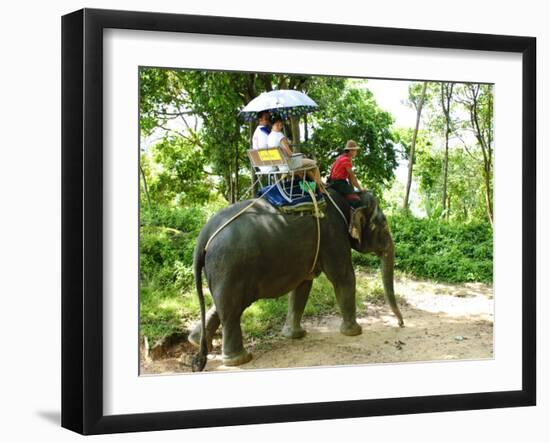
<point>268,160</point>
<point>267,157</point>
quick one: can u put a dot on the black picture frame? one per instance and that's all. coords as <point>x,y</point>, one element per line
<point>82,218</point>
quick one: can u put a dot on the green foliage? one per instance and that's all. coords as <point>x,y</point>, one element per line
<point>167,240</point>
<point>415,94</point>
<point>185,219</point>
<point>445,251</point>
<point>354,114</point>
<point>161,312</point>
<point>159,97</point>
<point>470,171</point>
<point>181,175</point>
<point>403,136</point>
<point>464,184</point>
<point>215,97</point>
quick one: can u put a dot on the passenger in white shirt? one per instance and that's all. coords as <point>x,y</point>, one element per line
<point>277,139</point>
<point>259,139</point>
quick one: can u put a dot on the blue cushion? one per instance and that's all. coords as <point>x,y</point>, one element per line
<point>273,195</point>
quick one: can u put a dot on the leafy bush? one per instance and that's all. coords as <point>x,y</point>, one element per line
<point>188,219</point>
<point>440,250</point>
<point>167,240</point>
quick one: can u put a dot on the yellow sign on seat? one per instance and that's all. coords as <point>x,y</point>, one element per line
<point>267,155</point>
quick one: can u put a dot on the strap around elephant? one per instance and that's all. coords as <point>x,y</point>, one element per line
<point>337,207</point>
<point>317,216</point>
<point>238,214</point>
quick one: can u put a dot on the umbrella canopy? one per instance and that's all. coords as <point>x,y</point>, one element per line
<point>284,102</point>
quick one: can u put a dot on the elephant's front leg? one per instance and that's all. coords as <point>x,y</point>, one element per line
<point>297,300</point>
<point>344,288</point>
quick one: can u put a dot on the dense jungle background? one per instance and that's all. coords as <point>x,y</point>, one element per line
<point>433,178</point>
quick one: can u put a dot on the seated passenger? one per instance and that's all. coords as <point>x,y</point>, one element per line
<point>342,179</point>
<point>277,139</point>
<point>259,139</point>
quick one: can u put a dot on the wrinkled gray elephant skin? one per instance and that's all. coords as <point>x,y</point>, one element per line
<point>266,254</point>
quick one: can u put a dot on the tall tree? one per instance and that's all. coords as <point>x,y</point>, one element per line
<point>206,104</point>
<point>477,99</point>
<point>353,113</point>
<point>464,188</point>
<point>145,187</point>
<point>417,100</point>
<point>446,97</point>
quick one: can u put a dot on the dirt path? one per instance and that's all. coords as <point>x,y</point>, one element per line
<point>442,322</point>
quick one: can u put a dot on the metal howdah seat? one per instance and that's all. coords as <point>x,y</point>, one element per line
<point>273,163</point>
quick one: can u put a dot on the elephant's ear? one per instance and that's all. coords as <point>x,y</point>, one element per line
<point>357,223</point>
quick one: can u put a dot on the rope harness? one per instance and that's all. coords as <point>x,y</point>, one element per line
<point>337,208</point>
<point>242,211</point>
<point>251,187</point>
<point>317,216</point>
<point>238,214</point>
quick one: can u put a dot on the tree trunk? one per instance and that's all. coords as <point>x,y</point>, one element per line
<point>445,170</point>
<point>236,172</point>
<point>446,95</point>
<point>145,187</point>
<point>413,147</point>
<point>237,162</point>
<point>484,139</point>
<point>306,131</point>
<point>229,185</point>
<point>488,194</point>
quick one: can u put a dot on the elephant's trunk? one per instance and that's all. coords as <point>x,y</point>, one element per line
<point>387,264</point>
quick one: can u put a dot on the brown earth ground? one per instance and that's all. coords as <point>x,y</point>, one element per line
<point>442,322</point>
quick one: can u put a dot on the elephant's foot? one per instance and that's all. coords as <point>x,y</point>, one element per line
<point>350,329</point>
<point>236,360</point>
<point>195,339</point>
<point>290,332</point>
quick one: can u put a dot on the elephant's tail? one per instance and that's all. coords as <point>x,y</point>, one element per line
<point>199,360</point>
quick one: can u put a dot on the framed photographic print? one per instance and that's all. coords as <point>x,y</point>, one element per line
<point>269,221</point>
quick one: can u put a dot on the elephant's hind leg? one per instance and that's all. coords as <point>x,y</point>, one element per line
<point>297,300</point>
<point>234,353</point>
<point>212,325</point>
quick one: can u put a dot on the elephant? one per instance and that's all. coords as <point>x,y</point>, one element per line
<point>264,253</point>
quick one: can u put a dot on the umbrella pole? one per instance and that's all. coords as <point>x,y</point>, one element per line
<point>295,126</point>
